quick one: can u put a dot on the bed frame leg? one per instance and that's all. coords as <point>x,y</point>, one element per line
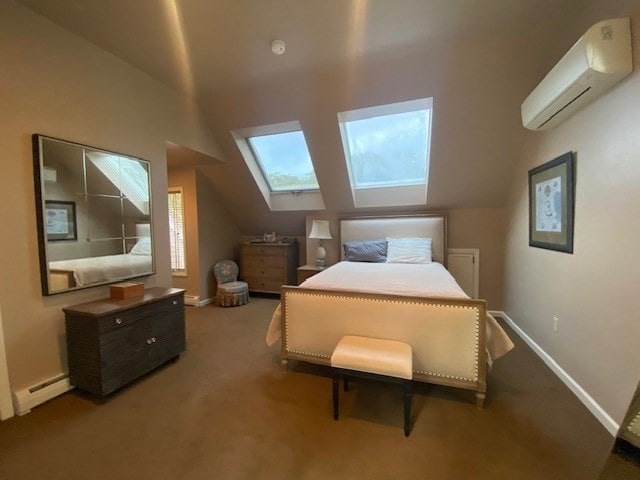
<point>480,396</point>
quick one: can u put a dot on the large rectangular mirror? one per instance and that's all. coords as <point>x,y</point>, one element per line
<point>94,215</point>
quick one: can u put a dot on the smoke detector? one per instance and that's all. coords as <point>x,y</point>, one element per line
<point>278,47</point>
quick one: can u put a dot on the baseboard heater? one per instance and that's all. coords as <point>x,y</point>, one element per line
<point>195,301</point>
<point>27,398</point>
<point>192,300</point>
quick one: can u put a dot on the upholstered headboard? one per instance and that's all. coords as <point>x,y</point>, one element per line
<point>372,228</point>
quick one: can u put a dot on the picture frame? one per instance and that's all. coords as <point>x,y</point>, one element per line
<point>60,220</point>
<point>552,204</point>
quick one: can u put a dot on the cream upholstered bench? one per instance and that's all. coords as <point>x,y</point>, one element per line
<point>386,360</point>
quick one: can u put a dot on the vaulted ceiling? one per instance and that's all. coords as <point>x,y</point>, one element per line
<point>478,60</point>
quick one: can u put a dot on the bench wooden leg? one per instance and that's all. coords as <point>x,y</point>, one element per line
<point>336,392</point>
<point>407,407</point>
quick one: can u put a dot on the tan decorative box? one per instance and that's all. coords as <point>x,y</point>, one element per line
<point>124,290</point>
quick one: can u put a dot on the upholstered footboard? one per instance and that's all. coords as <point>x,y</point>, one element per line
<point>448,336</point>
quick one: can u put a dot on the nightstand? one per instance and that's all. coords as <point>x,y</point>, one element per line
<point>306,271</point>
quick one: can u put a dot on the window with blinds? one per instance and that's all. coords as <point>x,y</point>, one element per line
<point>176,232</point>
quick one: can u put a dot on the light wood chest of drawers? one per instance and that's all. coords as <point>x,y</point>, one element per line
<point>268,266</point>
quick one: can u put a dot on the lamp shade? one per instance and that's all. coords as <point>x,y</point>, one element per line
<point>320,229</point>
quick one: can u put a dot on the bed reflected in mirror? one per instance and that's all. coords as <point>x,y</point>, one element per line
<point>94,209</point>
<point>623,462</point>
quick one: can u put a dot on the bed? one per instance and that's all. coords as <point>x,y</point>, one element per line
<point>86,271</point>
<point>452,336</point>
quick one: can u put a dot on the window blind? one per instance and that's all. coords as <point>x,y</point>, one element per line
<point>176,231</point>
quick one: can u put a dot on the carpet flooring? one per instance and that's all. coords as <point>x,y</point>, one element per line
<point>228,410</point>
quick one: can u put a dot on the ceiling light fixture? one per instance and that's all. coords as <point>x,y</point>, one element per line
<point>278,47</point>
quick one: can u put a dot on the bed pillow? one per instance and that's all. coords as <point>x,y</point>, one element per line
<point>408,250</point>
<point>366,251</point>
<point>142,247</point>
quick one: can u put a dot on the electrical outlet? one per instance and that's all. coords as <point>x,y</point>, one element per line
<point>555,324</point>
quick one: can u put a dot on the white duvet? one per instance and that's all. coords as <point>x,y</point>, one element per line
<point>106,268</point>
<point>423,280</point>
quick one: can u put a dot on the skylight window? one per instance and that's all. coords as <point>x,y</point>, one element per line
<point>387,147</point>
<point>280,163</point>
<point>285,161</point>
<point>130,176</point>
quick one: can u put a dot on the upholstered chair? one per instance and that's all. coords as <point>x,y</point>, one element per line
<point>230,292</point>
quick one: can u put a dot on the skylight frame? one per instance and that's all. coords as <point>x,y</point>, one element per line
<point>279,200</point>
<point>391,193</point>
<point>259,161</point>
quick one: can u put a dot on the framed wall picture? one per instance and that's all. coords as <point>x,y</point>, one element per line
<point>60,220</point>
<point>551,204</point>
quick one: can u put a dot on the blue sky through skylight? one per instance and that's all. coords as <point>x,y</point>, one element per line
<point>285,161</point>
<point>389,150</point>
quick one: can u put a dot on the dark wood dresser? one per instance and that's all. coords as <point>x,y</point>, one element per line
<point>110,343</point>
<point>268,266</point>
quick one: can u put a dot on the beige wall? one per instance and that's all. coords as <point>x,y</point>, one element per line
<point>186,179</point>
<point>594,291</point>
<point>219,237</point>
<point>481,228</point>
<point>211,234</point>
<point>56,84</point>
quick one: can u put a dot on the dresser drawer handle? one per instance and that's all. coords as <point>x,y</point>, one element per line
<point>148,341</point>
<point>175,302</point>
<point>153,339</point>
<point>118,321</point>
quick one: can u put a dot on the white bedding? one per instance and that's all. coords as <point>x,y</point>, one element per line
<point>424,280</point>
<point>87,271</point>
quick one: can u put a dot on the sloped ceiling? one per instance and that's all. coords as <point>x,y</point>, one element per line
<point>478,60</point>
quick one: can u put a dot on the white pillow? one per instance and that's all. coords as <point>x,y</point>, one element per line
<point>142,247</point>
<point>408,250</point>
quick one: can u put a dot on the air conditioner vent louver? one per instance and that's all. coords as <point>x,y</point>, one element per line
<point>599,59</point>
<point>563,108</point>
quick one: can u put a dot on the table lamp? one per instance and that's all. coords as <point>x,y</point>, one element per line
<point>320,230</point>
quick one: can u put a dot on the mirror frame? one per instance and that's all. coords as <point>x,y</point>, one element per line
<point>39,188</point>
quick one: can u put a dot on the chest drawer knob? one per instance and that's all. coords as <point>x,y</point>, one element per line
<point>118,321</point>
<point>153,339</point>
<point>174,302</point>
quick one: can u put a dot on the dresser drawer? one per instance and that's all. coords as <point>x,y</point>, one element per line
<point>268,261</point>
<point>123,319</point>
<point>257,271</point>
<point>264,284</point>
<point>263,251</point>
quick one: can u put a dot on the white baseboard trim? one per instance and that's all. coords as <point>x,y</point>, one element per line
<point>27,398</point>
<point>595,409</point>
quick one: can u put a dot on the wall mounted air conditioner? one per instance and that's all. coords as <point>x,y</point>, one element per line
<point>599,60</point>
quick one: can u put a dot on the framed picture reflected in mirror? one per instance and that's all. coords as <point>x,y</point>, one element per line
<point>60,220</point>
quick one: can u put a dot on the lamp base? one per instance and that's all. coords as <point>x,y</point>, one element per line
<point>320,254</point>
